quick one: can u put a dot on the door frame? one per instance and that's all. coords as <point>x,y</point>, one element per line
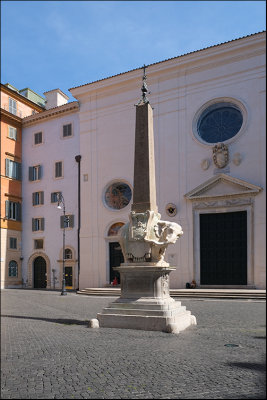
<point>34,272</point>
<point>30,283</point>
<point>223,206</point>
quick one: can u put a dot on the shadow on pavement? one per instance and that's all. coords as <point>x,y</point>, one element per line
<point>248,365</point>
<point>55,320</point>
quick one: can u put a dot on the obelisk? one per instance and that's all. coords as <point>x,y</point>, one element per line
<point>145,301</point>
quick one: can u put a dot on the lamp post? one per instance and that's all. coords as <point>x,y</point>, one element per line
<point>60,200</point>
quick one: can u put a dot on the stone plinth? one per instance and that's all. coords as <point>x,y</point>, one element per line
<point>145,302</point>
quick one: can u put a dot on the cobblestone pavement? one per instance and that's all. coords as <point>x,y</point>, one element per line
<point>48,351</point>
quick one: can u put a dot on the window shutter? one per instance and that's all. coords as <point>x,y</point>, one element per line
<point>7,208</point>
<point>7,167</point>
<point>40,172</point>
<point>71,217</point>
<point>33,224</point>
<point>42,224</point>
<point>15,134</point>
<point>18,211</point>
<point>33,199</point>
<point>62,221</point>
<point>42,197</point>
<point>19,175</point>
<point>30,173</point>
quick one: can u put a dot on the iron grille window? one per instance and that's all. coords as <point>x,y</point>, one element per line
<point>58,169</point>
<point>13,210</point>
<point>67,130</point>
<point>12,132</point>
<point>38,138</point>
<point>68,254</point>
<point>13,169</point>
<point>13,268</point>
<point>12,243</point>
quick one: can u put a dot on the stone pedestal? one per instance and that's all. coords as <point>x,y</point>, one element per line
<point>145,302</point>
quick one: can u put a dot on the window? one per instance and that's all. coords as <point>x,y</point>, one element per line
<point>37,198</point>
<point>54,197</point>
<point>38,138</point>
<point>58,169</point>
<point>114,229</point>
<point>13,268</point>
<point>12,106</point>
<point>67,130</point>
<point>69,221</point>
<point>35,173</point>
<point>13,210</point>
<point>12,132</point>
<point>219,122</point>
<point>118,195</point>
<point>38,243</point>
<point>12,243</point>
<point>37,224</point>
<point>13,169</point>
<point>68,254</point>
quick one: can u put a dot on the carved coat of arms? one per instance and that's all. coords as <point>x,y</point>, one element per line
<point>220,155</point>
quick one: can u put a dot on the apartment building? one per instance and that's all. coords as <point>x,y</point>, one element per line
<point>15,105</point>
<point>49,168</point>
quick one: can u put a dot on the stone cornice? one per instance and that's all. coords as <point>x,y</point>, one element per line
<point>51,113</point>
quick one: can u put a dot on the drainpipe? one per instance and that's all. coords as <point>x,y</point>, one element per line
<point>78,160</point>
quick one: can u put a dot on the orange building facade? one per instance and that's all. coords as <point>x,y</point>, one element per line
<point>14,107</point>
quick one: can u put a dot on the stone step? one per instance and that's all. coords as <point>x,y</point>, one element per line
<point>191,293</point>
<point>145,312</point>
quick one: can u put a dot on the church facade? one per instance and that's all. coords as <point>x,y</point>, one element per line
<point>210,159</point>
<point>209,128</point>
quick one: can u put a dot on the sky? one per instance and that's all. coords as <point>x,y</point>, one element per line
<point>62,44</point>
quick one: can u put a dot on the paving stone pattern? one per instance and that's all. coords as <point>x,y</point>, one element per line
<point>48,351</point>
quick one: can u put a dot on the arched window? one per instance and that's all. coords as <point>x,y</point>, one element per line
<point>114,229</point>
<point>68,254</point>
<point>13,268</point>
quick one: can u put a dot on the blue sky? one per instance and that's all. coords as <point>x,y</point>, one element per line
<point>63,44</point>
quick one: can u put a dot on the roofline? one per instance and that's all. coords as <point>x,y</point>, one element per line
<point>24,99</point>
<point>168,59</point>
<point>51,113</point>
<point>31,91</point>
<point>59,90</point>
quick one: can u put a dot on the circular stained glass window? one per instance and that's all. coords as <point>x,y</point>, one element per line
<point>219,123</point>
<point>118,195</point>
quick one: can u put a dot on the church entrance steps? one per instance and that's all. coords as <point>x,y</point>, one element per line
<point>190,293</point>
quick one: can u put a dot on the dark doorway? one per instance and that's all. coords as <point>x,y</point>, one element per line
<point>39,272</point>
<point>223,248</point>
<point>115,259</point>
<point>68,277</point>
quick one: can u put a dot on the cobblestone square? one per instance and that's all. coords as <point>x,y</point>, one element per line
<point>48,351</point>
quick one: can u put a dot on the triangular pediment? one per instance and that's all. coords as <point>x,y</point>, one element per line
<point>222,185</point>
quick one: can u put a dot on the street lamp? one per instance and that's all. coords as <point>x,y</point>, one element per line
<point>60,200</point>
